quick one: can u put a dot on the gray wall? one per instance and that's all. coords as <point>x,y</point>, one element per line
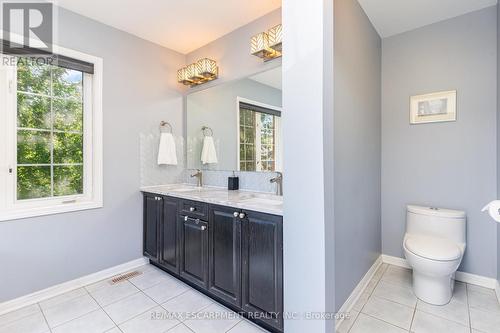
<point>216,107</point>
<point>139,91</point>
<point>357,146</point>
<point>450,164</point>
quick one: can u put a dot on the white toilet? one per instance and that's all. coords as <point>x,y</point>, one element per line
<point>434,245</point>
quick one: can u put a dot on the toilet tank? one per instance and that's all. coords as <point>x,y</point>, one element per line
<point>438,222</point>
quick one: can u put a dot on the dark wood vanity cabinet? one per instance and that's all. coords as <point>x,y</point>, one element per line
<point>262,266</point>
<point>225,253</point>
<point>169,235</point>
<point>232,255</point>
<point>151,224</point>
<point>194,250</point>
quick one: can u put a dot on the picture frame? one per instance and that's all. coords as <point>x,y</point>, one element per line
<point>432,108</point>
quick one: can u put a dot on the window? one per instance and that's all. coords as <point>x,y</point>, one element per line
<point>51,136</point>
<point>259,138</point>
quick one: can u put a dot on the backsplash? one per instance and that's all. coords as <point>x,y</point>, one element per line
<point>154,174</point>
<point>252,181</point>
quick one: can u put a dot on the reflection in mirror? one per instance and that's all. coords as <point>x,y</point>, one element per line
<point>259,144</point>
<point>237,125</point>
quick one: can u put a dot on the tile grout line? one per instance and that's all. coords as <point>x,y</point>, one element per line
<point>65,301</point>
<point>133,317</point>
<point>234,325</point>
<point>468,306</point>
<point>354,322</point>
<point>83,315</point>
<point>115,301</point>
<point>100,307</point>
<point>44,318</point>
<point>413,317</point>
<point>382,320</point>
<point>179,324</point>
<point>371,292</point>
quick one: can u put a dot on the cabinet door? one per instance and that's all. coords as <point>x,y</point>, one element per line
<point>151,221</point>
<point>225,254</point>
<point>194,250</point>
<point>262,271</point>
<point>170,257</point>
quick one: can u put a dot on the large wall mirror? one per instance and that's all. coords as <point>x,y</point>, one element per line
<point>237,125</point>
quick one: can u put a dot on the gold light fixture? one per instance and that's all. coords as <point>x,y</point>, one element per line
<point>197,73</point>
<point>207,68</point>
<point>276,37</point>
<point>267,45</point>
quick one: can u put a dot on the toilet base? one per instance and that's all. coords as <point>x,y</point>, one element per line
<point>436,290</point>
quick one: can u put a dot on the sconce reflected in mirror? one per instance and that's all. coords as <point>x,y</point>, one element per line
<point>268,45</point>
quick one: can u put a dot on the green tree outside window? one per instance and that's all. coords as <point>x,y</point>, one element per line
<point>49,131</point>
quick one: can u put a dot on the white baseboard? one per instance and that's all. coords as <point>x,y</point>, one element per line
<point>477,280</point>
<point>396,261</point>
<point>64,287</point>
<point>356,293</point>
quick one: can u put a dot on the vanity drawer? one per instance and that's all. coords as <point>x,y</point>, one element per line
<point>194,209</point>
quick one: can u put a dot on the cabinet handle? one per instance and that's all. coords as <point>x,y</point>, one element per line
<point>235,214</point>
<point>242,215</point>
<point>192,209</point>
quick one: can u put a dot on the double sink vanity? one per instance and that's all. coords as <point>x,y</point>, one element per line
<point>226,244</point>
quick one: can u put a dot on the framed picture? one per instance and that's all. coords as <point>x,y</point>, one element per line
<point>433,108</point>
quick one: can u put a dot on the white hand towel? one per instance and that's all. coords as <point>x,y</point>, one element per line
<point>166,152</point>
<point>208,153</point>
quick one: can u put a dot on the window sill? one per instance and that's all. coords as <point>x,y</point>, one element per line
<point>22,213</point>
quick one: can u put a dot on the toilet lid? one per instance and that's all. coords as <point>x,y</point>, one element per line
<point>433,248</point>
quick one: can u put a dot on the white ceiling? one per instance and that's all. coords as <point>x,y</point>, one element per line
<point>270,78</point>
<point>391,17</point>
<point>181,25</point>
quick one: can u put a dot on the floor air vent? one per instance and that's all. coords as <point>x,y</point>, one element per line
<point>124,277</point>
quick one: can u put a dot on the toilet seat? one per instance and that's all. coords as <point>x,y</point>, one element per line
<point>433,248</point>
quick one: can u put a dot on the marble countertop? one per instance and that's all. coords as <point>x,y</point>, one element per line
<point>256,201</point>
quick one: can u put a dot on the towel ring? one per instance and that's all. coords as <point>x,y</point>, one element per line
<point>206,128</point>
<point>164,124</point>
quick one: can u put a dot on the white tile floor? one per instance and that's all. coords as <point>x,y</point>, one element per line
<point>153,302</point>
<point>389,305</point>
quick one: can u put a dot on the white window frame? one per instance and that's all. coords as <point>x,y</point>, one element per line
<point>278,141</point>
<point>92,197</point>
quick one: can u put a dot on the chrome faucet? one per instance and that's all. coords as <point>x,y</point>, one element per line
<point>279,182</point>
<point>199,177</point>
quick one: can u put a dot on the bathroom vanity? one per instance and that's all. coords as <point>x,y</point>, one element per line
<point>226,244</point>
